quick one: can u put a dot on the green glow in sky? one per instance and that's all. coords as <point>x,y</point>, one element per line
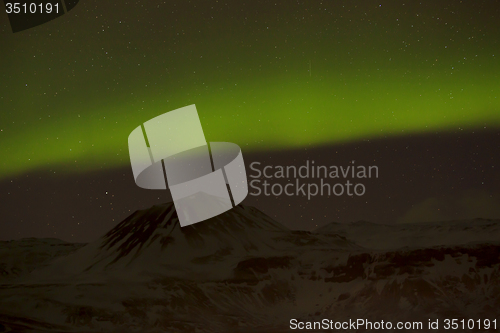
<point>270,113</point>
<point>72,99</point>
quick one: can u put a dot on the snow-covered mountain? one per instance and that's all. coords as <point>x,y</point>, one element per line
<point>413,235</point>
<point>152,243</point>
<point>244,272</point>
<point>18,257</point>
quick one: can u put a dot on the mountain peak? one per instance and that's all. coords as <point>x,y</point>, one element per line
<point>152,241</point>
<point>160,224</point>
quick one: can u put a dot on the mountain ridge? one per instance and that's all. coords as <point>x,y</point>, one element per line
<point>242,271</point>
<point>151,242</point>
<point>419,234</point>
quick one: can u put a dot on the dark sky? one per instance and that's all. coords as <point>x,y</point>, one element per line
<point>411,87</point>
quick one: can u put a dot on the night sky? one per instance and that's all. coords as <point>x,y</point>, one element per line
<point>412,87</point>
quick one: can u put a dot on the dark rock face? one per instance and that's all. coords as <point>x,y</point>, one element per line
<point>243,272</point>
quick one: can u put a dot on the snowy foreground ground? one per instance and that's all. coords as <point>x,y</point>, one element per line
<point>244,272</point>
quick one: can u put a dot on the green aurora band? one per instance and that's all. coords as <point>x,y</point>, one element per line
<point>274,113</point>
<point>71,108</point>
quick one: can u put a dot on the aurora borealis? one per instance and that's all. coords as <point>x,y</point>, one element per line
<point>266,75</point>
<point>74,88</point>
